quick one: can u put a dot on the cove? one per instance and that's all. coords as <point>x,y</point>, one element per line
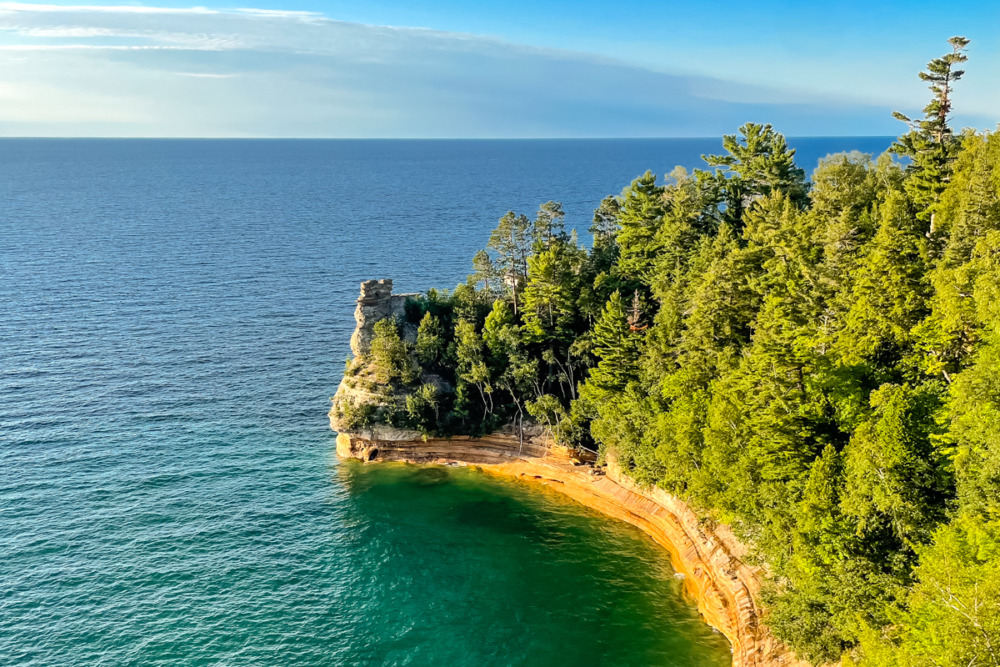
<point>463,568</point>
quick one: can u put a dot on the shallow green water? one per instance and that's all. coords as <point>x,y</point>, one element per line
<point>470,569</point>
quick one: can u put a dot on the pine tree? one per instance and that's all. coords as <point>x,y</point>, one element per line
<point>952,617</point>
<point>847,189</point>
<point>470,365</point>
<point>758,162</point>
<point>640,216</point>
<point>513,369</point>
<point>485,272</point>
<point>723,303</point>
<point>890,290</point>
<point>549,226</point>
<point>390,361</point>
<point>511,240</point>
<point>430,340</point>
<point>605,224</point>
<point>549,300</point>
<point>894,473</point>
<point>930,143</point>
<point>616,346</point>
<point>423,408</point>
<point>820,527</point>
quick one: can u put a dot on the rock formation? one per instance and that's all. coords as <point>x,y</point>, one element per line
<point>358,392</point>
<point>377,302</point>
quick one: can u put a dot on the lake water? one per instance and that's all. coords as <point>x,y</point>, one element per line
<point>174,316</point>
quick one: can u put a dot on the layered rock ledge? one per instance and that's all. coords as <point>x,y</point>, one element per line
<point>710,558</point>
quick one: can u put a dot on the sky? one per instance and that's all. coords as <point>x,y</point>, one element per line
<point>457,69</point>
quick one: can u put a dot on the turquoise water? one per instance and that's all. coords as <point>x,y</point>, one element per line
<point>474,570</point>
<point>175,316</point>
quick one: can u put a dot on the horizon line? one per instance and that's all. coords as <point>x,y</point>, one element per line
<point>650,138</point>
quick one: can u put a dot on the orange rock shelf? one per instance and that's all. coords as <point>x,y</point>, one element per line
<point>725,588</point>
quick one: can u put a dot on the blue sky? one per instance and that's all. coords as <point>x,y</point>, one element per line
<point>389,68</point>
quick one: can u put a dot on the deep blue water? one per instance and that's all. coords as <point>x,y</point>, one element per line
<point>174,316</point>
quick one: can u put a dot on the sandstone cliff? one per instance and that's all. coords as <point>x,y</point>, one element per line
<point>377,302</point>
<point>358,392</point>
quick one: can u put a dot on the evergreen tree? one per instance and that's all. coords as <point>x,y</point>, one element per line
<point>616,347</point>
<point>470,364</point>
<point>485,271</point>
<point>512,241</point>
<point>930,143</point>
<point>605,225</point>
<point>846,195</point>
<point>894,474</point>
<point>604,229</point>
<point>423,408</point>
<point>723,303</point>
<point>969,210</point>
<point>639,217</point>
<point>549,300</point>
<point>390,360</point>
<point>757,163</point>
<point>549,226</point>
<point>890,291</point>
<point>513,369</point>
<point>952,617</point>
<point>821,529</point>
<point>431,342</point>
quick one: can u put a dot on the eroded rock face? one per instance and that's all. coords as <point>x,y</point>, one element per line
<point>353,394</point>
<point>377,302</point>
<point>358,392</point>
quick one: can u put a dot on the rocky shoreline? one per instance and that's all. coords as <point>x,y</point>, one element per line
<point>709,557</point>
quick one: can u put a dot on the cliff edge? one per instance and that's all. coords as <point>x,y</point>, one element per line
<point>363,404</point>
<point>709,557</point>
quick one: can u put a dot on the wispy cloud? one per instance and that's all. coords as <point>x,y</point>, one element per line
<point>98,47</point>
<point>104,9</point>
<point>282,13</point>
<point>206,75</point>
<point>70,32</point>
<point>259,72</point>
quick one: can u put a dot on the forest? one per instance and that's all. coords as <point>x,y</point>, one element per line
<point>813,361</point>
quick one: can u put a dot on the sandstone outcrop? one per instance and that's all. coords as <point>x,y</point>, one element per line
<point>357,391</point>
<point>377,302</point>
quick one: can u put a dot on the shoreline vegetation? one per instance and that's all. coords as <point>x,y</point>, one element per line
<point>810,362</point>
